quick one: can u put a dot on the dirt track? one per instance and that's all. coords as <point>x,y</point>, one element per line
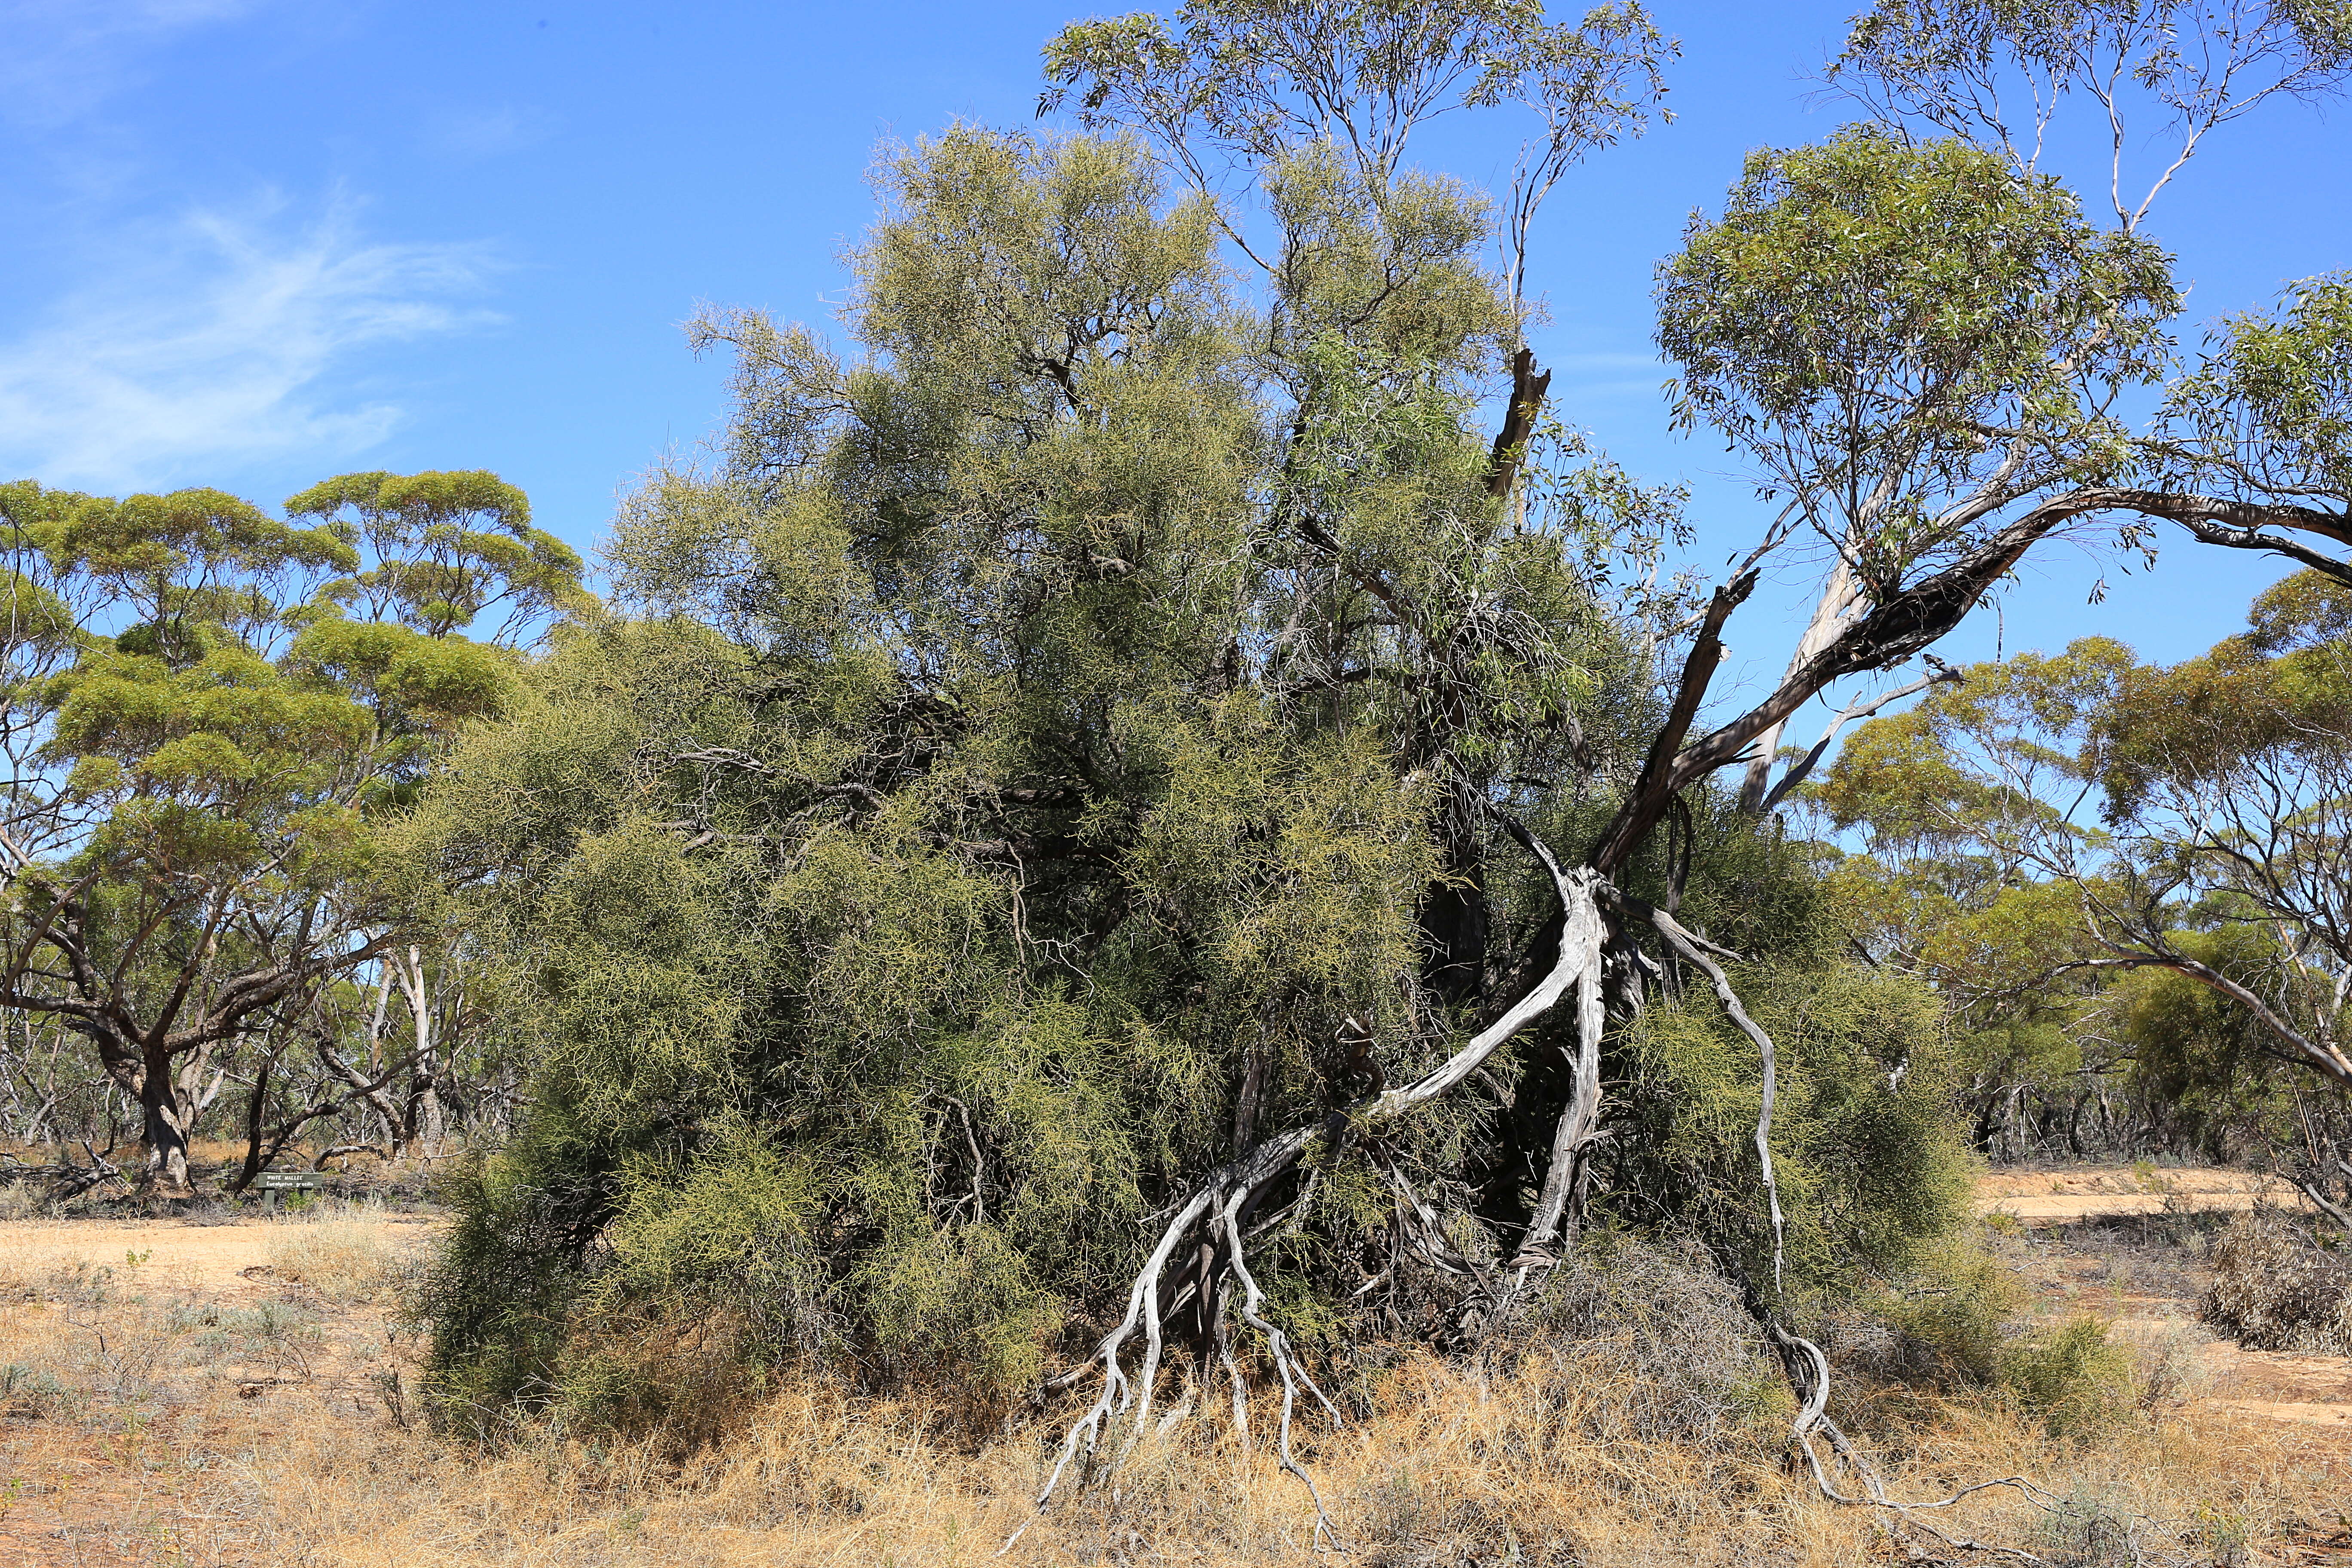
<point>186,1254</point>
<point>2151,1301</point>
<point>2056,1197</point>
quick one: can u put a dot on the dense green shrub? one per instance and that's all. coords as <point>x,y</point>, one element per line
<point>1871,1171</point>
<point>1013,790</point>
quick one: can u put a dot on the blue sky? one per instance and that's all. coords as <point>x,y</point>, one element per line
<point>257,242</point>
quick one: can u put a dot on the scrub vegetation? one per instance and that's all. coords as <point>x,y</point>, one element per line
<point>1145,864</point>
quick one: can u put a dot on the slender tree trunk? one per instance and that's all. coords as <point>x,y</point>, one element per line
<point>424,1105</point>
<point>395,1129</point>
<point>1245,1104</point>
<point>255,1105</point>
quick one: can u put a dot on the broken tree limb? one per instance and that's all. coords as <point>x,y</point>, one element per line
<point>1656,785</point>
<point>1700,954</point>
<point>1902,622</point>
<point>1853,712</point>
<point>2323,1057</point>
<point>1528,390</point>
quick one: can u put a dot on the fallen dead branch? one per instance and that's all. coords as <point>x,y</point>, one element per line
<point>66,1180</point>
<point>1807,1368</point>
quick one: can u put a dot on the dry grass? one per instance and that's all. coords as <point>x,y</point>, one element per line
<point>347,1260</point>
<point>273,1424</point>
<point>1449,1472</point>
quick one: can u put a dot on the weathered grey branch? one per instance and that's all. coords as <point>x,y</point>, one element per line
<point>1852,713</point>
<point>1215,1204</point>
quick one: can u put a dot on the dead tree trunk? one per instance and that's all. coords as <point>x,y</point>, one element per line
<point>1837,597</point>
<point>422,1120</point>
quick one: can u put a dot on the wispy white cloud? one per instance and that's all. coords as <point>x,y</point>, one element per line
<point>1597,377</point>
<point>66,56</point>
<point>1600,361</point>
<point>220,347</point>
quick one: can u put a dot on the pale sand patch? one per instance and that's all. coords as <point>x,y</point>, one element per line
<point>2054,1197</point>
<point>2282,1385</point>
<point>2308,1389</point>
<point>2287,1410</point>
<point>182,1254</point>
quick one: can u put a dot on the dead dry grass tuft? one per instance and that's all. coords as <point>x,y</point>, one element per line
<point>1451,1472</point>
<point>348,1261</point>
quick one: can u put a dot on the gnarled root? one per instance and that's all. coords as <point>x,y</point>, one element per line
<point>1212,1215</point>
<point>1216,1218</point>
<point>1808,1373</point>
<point>1285,1366</point>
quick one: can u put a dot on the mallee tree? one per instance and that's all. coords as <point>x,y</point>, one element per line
<point>209,709</point>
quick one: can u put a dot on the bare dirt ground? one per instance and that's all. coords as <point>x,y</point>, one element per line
<point>180,1255</point>
<point>2087,1192</point>
<point>2109,1241</point>
<point>213,1335</point>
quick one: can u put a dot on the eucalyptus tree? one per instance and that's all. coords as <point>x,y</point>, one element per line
<point>2009,80</point>
<point>206,737</point>
<point>1227,87</point>
<point>445,553</point>
<point>2223,777</point>
<point>2073,848</point>
<point>2229,785</point>
<point>2158,76</point>
<point>1949,805</point>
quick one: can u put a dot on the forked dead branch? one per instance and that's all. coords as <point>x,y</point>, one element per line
<point>1217,1218</point>
<point>1218,1211</point>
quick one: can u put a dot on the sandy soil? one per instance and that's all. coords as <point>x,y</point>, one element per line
<point>2146,1286</point>
<point>2085,1192</point>
<point>84,1493</point>
<point>199,1256</point>
<point>77,1492</point>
